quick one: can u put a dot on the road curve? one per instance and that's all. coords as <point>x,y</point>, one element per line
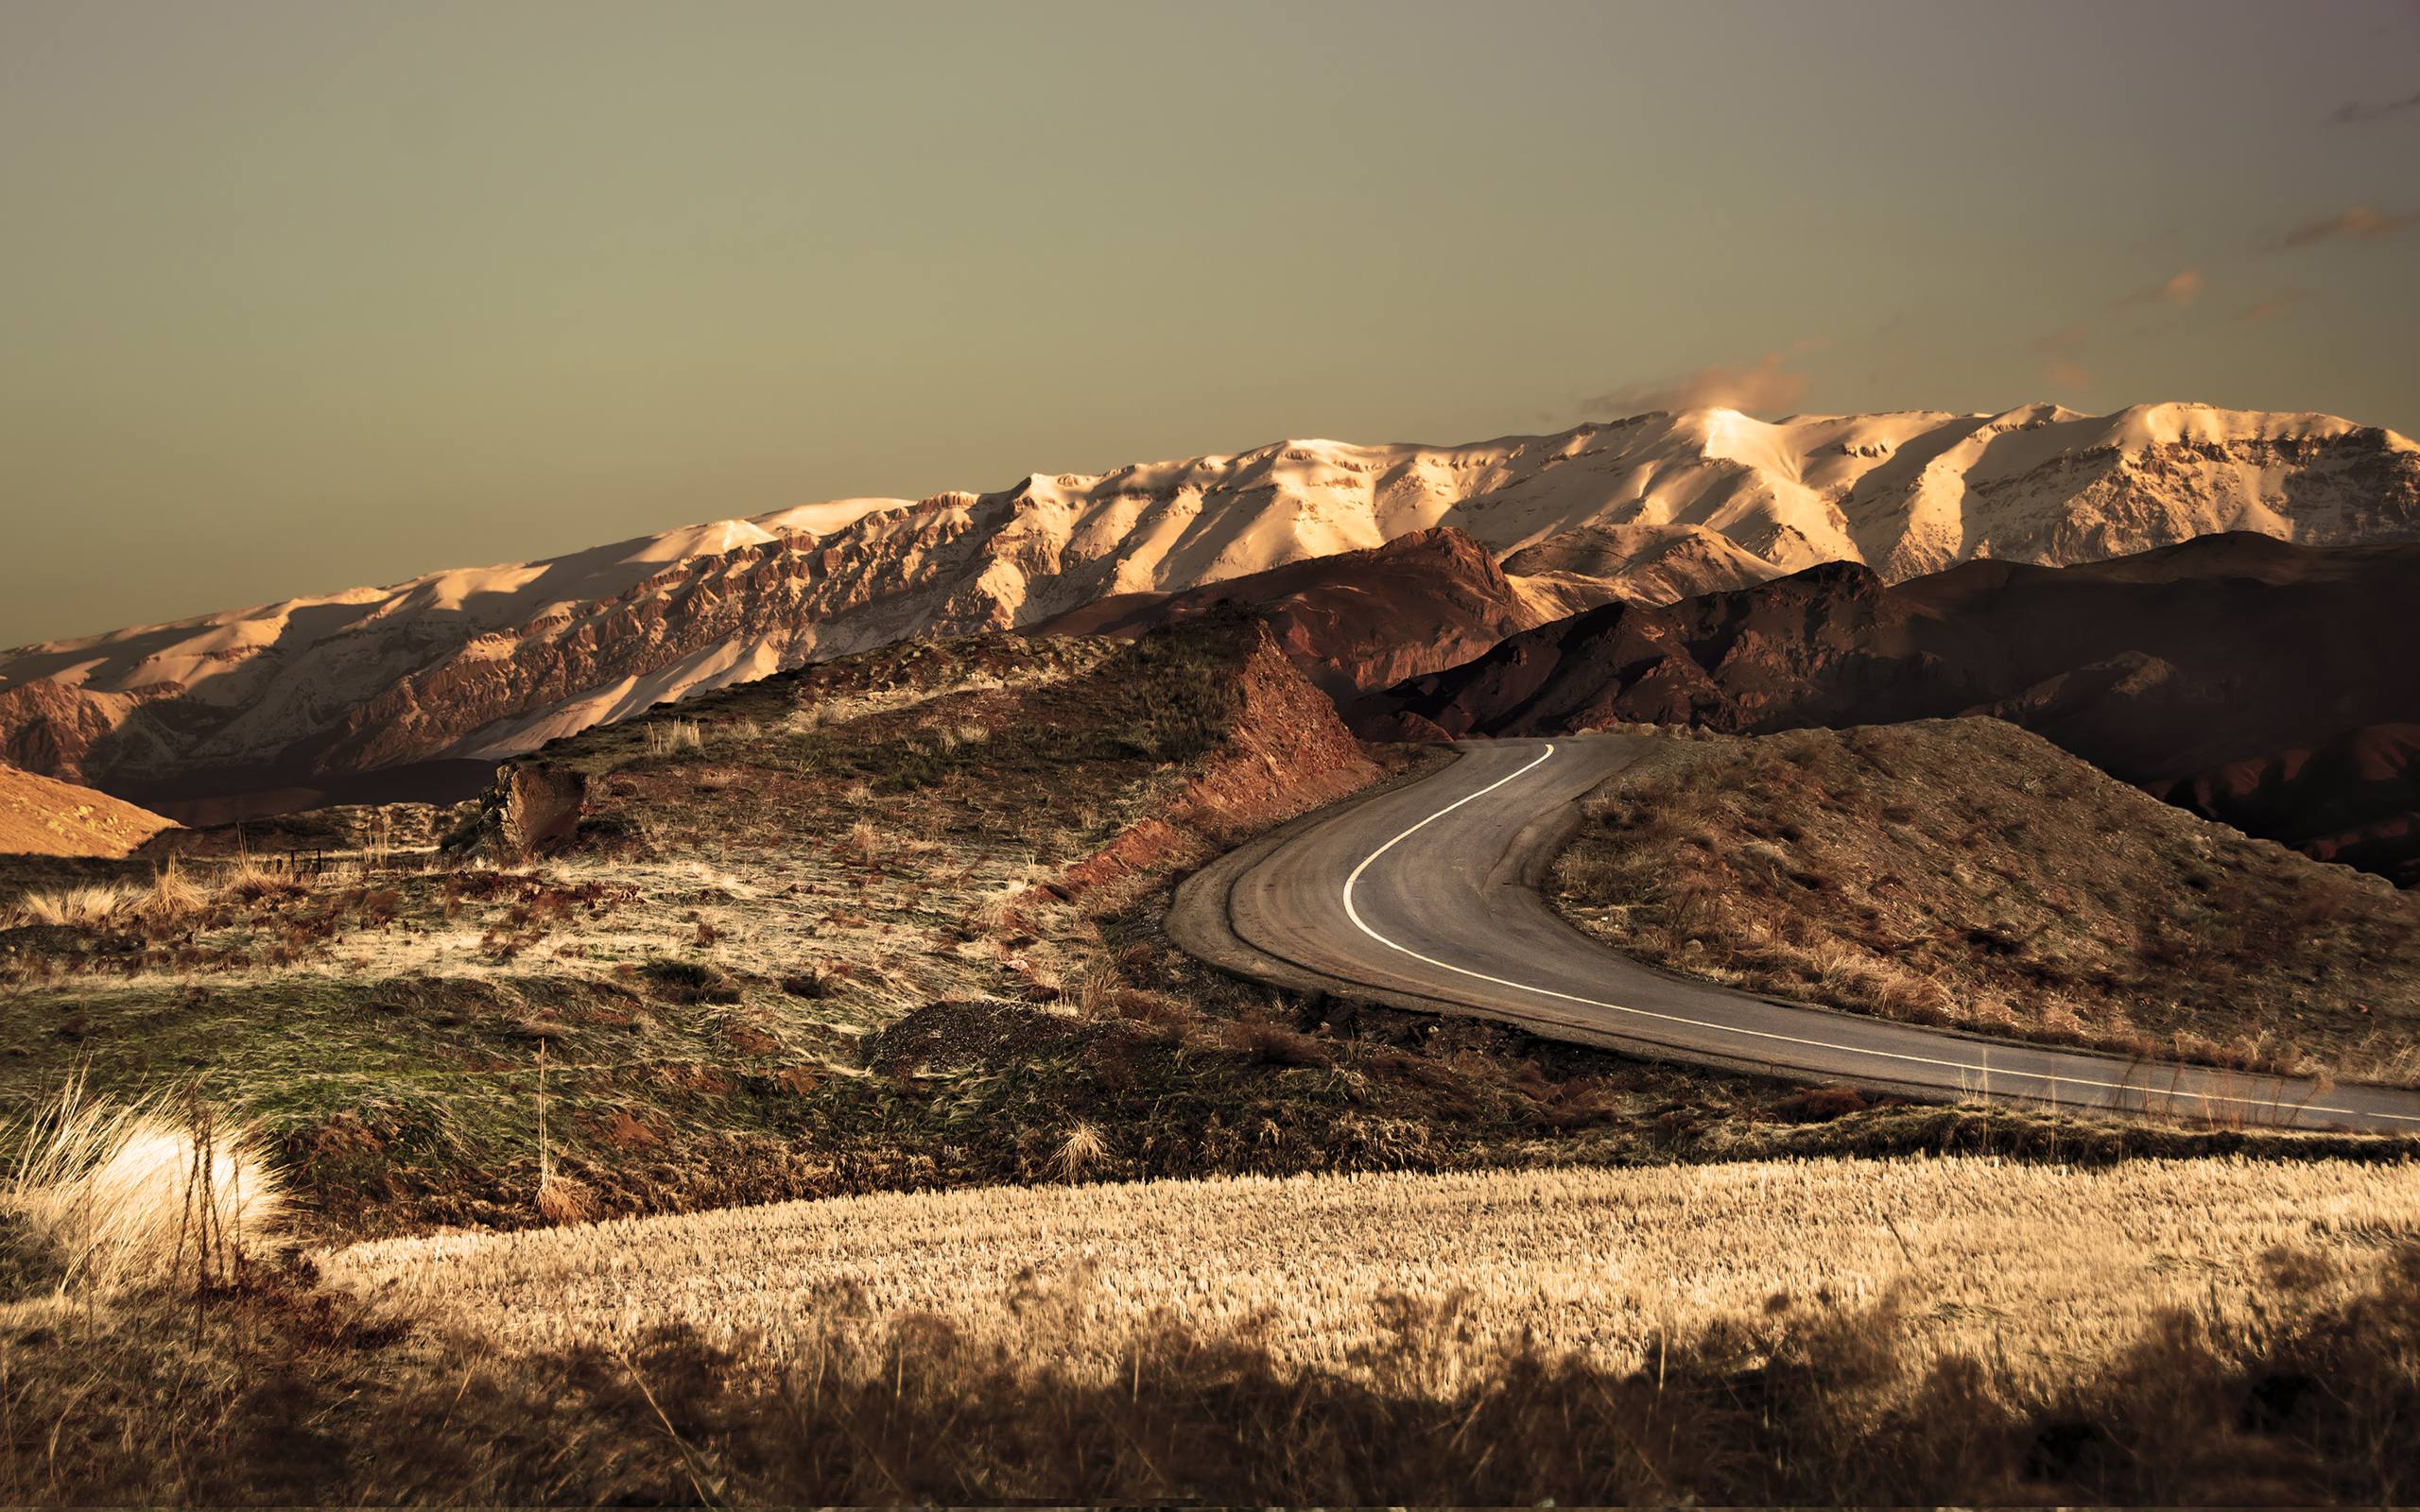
<point>1424,895</point>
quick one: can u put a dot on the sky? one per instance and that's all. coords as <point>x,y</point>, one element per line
<point>300,296</point>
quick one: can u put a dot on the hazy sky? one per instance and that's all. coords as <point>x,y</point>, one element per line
<point>300,296</point>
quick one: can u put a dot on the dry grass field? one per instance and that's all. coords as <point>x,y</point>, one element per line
<point>1959,1331</point>
<point>1964,872</point>
<point>2042,1270</point>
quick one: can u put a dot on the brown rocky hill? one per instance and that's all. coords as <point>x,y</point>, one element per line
<point>41,816</point>
<point>2160,668</point>
<point>1364,619</point>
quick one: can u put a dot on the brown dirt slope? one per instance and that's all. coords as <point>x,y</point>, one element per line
<point>1967,873</point>
<point>42,815</point>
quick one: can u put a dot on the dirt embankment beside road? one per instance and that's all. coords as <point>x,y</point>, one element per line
<point>1964,872</point>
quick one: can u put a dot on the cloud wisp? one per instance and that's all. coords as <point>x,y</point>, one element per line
<point>2274,304</point>
<point>2063,367</point>
<point>2360,223</point>
<point>1765,386</point>
<point>2181,287</point>
<point>2362,112</point>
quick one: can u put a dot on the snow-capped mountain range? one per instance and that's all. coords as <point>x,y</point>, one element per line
<point>488,662</point>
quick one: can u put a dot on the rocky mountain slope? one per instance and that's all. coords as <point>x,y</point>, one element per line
<point>1362,620</point>
<point>308,695</point>
<point>41,816</point>
<point>2157,667</point>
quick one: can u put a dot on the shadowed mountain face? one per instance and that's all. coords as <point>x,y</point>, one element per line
<point>2230,672</point>
<point>2355,798</point>
<point>1363,619</point>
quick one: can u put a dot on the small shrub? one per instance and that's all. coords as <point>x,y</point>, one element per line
<point>1819,1105</point>
<point>1274,1045</point>
<point>690,981</point>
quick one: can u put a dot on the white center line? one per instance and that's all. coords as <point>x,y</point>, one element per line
<point>2050,1082</point>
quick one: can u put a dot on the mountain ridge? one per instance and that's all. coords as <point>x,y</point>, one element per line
<point>476,664</point>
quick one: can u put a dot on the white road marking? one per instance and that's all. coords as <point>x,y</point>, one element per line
<point>1982,1068</point>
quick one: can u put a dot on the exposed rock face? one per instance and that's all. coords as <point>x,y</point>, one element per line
<point>480,665</point>
<point>1649,565</point>
<point>2187,669</point>
<point>55,727</point>
<point>532,807</point>
<point>1282,751</point>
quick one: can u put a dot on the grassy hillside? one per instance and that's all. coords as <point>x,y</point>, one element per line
<point>707,948</point>
<point>1964,872</point>
<point>888,922</point>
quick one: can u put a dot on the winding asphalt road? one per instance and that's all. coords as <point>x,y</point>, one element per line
<point>1424,895</point>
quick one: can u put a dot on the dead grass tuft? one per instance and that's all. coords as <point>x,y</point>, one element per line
<point>670,737</point>
<point>133,1195</point>
<point>77,907</point>
<point>1082,1151</point>
<point>174,894</point>
<point>564,1199</point>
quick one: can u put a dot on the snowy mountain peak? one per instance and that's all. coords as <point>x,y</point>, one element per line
<point>486,661</point>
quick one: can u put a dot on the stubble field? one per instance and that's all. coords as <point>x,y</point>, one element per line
<point>2041,1270</point>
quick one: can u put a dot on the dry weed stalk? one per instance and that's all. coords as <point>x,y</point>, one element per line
<point>1082,1151</point>
<point>864,842</point>
<point>667,737</point>
<point>562,1199</point>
